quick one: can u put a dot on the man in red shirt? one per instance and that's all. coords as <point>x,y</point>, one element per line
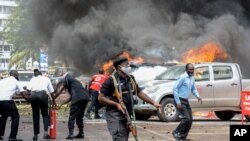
<point>95,85</point>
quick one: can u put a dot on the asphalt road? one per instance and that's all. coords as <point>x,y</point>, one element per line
<point>96,130</point>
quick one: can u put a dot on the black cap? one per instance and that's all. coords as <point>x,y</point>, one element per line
<point>36,70</point>
<point>117,61</point>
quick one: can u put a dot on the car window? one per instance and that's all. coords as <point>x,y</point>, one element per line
<point>25,76</point>
<point>201,74</point>
<point>222,72</point>
<point>173,73</point>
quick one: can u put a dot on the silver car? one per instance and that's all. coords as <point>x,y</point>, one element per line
<point>219,85</point>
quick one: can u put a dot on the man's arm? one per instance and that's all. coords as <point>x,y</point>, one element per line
<point>58,90</point>
<point>176,87</point>
<point>147,99</point>
<point>195,93</point>
<point>106,101</point>
<point>66,101</point>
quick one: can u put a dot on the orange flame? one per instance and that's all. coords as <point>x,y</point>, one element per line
<point>208,52</point>
<point>131,58</point>
<point>107,66</point>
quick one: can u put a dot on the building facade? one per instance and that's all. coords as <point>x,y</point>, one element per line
<point>6,7</point>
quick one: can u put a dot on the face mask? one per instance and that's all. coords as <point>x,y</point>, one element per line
<point>126,70</point>
<point>190,73</point>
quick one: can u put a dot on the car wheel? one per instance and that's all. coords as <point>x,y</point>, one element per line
<point>247,117</point>
<point>169,111</point>
<point>225,115</point>
<point>142,116</point>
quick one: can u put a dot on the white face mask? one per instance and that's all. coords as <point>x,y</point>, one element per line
<point>126,70</point>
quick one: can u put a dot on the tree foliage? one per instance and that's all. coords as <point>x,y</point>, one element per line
<point>15,32</point>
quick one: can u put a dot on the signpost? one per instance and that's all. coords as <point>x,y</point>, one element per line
<point>43,60</point>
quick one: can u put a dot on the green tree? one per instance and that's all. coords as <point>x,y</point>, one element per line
<point>24,47</point>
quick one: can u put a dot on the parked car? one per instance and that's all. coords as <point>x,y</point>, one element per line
<point>146,71</point>
<point>24,79</point>
<point>219,85</point>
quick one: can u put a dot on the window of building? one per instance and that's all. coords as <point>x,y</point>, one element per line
<point>1,48</point>
<point>6,48</point>
<point>6,9</point>
<point>222,72</point>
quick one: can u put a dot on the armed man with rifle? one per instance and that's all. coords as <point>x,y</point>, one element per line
<point>117,94</point>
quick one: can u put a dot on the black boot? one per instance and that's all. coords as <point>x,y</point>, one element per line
<point>80,134</point>
<point>70,136</point>
<point>88,115</point>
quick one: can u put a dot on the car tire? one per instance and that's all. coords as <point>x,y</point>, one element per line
<point>169,111</point>
<point>142,116</point>
<point>247,117</point>
<point>225,115</point>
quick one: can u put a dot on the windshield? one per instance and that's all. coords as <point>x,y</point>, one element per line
<point>25,76</point>
<point>172,73</point>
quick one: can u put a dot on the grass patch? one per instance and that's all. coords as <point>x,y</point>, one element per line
<point>25,110</point>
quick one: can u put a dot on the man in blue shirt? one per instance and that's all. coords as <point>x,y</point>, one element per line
<point>182,89</point>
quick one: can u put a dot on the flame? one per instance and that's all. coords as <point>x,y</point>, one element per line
<point>108,66</point>
<point>131,58</point>
<point>208,52</point>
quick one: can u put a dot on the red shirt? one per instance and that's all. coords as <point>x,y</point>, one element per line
<point>97,81</point>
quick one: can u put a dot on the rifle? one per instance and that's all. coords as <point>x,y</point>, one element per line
<point>130,124</point>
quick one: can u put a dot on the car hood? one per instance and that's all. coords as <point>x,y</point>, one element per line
<point>158,86</point>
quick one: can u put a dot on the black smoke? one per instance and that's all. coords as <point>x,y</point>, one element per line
<point>88,32</point>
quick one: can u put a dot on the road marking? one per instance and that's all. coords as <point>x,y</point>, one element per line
<point>153,132</point>
<point>225,133</point>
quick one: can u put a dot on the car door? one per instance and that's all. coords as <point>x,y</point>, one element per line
<point>204,87</point>
<point>226,85</point>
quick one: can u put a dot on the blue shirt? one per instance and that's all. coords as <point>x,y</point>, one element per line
<point>183,87</point>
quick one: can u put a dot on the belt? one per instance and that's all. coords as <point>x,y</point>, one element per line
<point>184,101</point>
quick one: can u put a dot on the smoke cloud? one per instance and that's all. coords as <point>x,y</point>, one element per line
<point>86,33</point>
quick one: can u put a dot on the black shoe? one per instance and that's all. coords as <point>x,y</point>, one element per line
<point>70,137</point>
<point>175,135</point>
<point>1,138</point>
<point>35,138</point>
<point>11,139</point>
<point>46,136</point>
<point>79,136</point>
<point>88,116</point>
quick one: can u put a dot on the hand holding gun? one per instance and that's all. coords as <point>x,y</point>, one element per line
<point>121,107</point>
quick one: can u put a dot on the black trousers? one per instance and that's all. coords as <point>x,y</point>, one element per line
<point>39,101</point>
<point>186,120</point>
<point>118,130</point>
<point>94,102</point>
<point>76,113</point>
<point>8,108</point>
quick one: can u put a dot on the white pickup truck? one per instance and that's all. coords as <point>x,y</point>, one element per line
<point>219,85</point>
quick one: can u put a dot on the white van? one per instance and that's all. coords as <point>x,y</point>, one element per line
<point>24,77</point>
